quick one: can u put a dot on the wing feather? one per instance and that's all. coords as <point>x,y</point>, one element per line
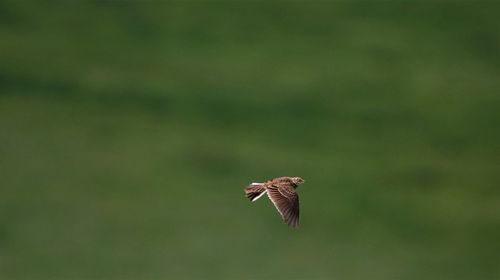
<point>286,201</point>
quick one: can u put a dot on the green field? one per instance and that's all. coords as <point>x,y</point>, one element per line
<point>129,129</point>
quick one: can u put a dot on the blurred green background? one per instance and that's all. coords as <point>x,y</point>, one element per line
<point>128,131</point>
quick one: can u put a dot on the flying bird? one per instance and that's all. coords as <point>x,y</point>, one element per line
<point>281,191</point>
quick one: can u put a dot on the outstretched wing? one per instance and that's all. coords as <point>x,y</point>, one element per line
<point>286,201</point>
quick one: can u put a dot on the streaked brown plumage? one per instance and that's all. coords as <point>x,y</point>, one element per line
<point>281,191</point>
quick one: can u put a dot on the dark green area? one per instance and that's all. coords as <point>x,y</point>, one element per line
<point>128,131</point>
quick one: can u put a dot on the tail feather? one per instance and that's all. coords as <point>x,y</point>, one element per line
<point>255,191</point>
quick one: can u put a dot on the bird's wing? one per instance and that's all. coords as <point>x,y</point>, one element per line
<point>286,201</point>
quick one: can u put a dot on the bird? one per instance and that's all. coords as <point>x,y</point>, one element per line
<point>281,191</point>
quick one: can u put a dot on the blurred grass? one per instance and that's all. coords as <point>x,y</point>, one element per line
<point>129,129</point>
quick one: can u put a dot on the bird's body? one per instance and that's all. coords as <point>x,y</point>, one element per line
<point>281,191</point>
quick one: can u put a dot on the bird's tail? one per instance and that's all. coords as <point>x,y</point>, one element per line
<point>255,191</point>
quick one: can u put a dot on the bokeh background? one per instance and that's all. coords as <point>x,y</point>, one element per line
<point>129,129</point>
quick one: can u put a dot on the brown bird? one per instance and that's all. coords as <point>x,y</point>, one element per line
<point>281,191</point>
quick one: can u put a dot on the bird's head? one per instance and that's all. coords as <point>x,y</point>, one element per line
<point>297,180</point>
